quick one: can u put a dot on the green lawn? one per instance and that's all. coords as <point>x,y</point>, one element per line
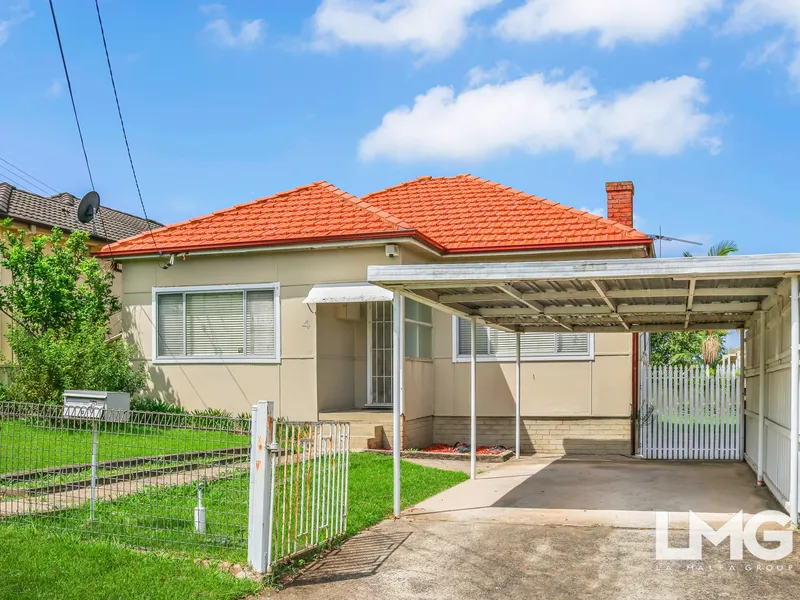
<point>36,565</point>
<point>161,518</point>
<point>24,447</point>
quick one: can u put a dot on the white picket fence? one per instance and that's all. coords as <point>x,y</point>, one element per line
<point>690,412</point>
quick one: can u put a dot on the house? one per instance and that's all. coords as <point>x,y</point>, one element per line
<point>269,300</point>
<point>40,214</point>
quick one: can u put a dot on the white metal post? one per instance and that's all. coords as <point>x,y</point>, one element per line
<point>94,471</point>
<point>518,396</point>
<point>473,423</point>
<point>795,402</point>
<point>762,387</point>
<point>259,526</point>
<point>397,359</point>
<point>402,363</point>
<point>742,364</point>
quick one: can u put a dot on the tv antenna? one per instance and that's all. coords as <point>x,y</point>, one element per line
<point>660,237</point>
<point>88,208</point>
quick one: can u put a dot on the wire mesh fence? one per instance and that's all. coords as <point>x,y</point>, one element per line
<point>310,486</point>
<point>153,480</point>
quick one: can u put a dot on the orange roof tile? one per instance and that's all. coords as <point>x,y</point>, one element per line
<point>470,214</point>
<point>450,214</point>
<point>312,213</point>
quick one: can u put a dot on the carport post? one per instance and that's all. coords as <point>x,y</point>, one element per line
<point>397,360</point>
<point>517,393</point>
<point>762,386</point>
<point>473,423</point>
<point>794,410</point>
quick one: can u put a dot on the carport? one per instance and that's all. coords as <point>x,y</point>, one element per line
<point>628,295</point>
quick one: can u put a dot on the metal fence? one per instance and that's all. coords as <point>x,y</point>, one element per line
<point>152,480</point>
<point>244,489</point>
<point>298,486</point>
<point>310,506</point>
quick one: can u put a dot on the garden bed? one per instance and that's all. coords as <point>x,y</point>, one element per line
<point>488,454</point>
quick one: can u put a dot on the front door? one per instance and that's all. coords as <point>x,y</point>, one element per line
<point>379,353</point>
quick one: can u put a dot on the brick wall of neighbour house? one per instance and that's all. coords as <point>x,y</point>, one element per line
<point>542,435</point>
<point>620,202</point>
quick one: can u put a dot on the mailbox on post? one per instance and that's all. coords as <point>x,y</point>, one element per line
<point>110,407</point>
<point>97,407</point>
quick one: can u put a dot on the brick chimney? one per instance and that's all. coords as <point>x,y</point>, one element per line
<point>620,202</point>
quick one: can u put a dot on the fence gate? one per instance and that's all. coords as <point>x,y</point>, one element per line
<point>690,412</point>
<point>299,476</point>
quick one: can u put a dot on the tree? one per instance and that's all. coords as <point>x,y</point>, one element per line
<point>692,347</point>
<point>59,301</point>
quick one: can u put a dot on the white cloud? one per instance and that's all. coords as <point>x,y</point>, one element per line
<point>600,211</point>
<point>704,64</point>
<point>55,89</point>
<point>537,114</point>
<point>755,15</point>
<point>612,20</point>
<point>478,76</point>
<point>424,26</point>
<point>17,13</point>
<point>222,32</point>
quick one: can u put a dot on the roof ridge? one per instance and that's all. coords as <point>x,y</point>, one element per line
<point>382,214</point>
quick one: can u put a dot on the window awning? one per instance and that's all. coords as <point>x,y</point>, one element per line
<point>335,293</point>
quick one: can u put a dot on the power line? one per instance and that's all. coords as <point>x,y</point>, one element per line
<point>8,174</point>
<point>11,180</point>
<point>16,168</point>
<point>122,124</point>
<point>71,96</point>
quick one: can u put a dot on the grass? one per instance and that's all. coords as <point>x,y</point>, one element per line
<point>25,447</point>
<point>163,517</point>
<point>37,562</point>
<point>36,566</point>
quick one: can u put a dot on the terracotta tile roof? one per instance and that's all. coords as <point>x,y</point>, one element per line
<point>317,212</point>
<point>61,211</point>
<point>449,214</point>
<point>470,214</point>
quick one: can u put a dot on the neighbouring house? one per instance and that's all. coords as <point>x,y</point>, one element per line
<point>268,300</point>
<point>40,214</point>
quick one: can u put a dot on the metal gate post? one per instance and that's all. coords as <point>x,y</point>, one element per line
<point>259,522</point>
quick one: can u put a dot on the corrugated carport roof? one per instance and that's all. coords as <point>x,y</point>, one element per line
<point>647,294</point>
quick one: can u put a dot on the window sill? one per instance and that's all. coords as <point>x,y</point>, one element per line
<point>215,361</point>
<point>511,359</point>
<point>419,359</point>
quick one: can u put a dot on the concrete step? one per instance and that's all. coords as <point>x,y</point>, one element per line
<point>366,429</point>
<point>364,442</point>
<point>377,417</point>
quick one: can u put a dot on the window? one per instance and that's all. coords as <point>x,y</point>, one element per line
<point>492,344</point>
<point>419,330</point>
<point>219,323</point>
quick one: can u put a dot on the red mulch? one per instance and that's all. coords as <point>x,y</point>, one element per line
<point>451,449</point>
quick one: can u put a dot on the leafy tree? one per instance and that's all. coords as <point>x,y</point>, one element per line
<point>686,347</point>
<point>682,347</point>
<point>59,301</point>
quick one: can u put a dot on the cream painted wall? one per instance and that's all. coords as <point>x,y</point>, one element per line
<point>318,351</point>
<point>323,364</point>
<point>600,387</point>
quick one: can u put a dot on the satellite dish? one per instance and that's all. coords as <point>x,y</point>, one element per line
<point>87,209</point>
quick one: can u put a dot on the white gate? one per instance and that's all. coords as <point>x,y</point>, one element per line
<point>690,412</point>
<point>298,486</point>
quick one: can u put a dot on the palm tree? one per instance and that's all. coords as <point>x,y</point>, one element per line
<point>713,343</point>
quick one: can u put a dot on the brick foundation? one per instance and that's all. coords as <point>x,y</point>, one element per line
<point>556,436</point>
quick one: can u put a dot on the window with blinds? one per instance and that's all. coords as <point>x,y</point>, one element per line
<point>500,345</point>
<point>211,324</point>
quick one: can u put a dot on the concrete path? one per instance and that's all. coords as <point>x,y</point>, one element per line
<point>504,536</point>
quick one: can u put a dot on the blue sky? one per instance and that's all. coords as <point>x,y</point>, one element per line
<point>696,101</point>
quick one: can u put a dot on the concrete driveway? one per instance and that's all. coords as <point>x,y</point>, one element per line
<point>565,528</point>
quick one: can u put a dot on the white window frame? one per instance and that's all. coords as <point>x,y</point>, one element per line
<point>422,324</point>
<point>188,289</point>
<point>542,358</point>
